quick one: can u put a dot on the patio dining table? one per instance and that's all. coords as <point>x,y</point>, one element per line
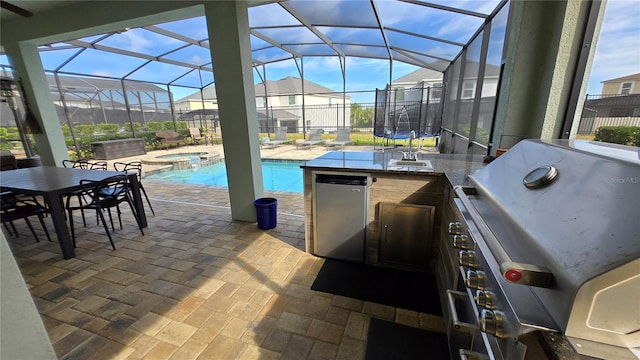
<point>54,182</point>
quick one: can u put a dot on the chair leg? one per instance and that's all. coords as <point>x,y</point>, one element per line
<point>84,221</point>
<point>119,216</point>
<point>15,231</point>
<point>144,192</point>
<point>44,227</point>
<point>110,219</point>
<point>4,223</point>
<point>31,228</point>
<point>135,215</point>
<point>106,227</point>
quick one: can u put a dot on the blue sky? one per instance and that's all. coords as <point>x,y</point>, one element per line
<point>617,52</point>
<point>618,48</point>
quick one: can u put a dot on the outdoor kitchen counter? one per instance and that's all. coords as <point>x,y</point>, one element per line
<point>391,183</point>
<point>455,167</point>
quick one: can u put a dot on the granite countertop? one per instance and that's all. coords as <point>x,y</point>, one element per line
<point>455,167</point>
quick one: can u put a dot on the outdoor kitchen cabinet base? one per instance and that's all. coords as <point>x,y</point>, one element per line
<point>405,234</point>
<point>397,200</point>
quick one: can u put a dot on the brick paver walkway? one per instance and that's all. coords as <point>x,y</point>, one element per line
<point>197,285</point>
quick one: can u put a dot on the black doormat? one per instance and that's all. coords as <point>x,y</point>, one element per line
<point>409,290</point>
<point>387,340</point>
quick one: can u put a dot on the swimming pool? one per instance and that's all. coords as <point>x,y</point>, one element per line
<point>276,175</point>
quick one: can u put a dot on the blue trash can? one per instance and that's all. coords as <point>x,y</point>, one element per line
<point>266,212</point>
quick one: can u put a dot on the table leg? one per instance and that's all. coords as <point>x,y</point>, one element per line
<point>60,224</point>
<point>137,200</point>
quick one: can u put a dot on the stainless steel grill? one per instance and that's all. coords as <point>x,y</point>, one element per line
<point>546,238</point>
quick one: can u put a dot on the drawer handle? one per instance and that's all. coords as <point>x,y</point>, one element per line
<point>471,355</point>
<point>457,324</point>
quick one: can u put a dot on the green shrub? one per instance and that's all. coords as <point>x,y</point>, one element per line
<point>108,128</point>
<point>5,144</point>
<point>624,135</point>
<point>155,126</point>
<point>84,129</point>
<point>66,131</point>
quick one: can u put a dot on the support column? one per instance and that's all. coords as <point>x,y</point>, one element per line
<point>228,25</point>
<point>542,51</point>
<point>25,60</point>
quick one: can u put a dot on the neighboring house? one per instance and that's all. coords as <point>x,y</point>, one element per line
<point>422,78</point>
<point>618,105</point>
<point>625,85</point>
<point>208,100</point>
<point>283,103</point>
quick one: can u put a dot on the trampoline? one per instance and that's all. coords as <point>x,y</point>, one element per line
<point>394,120</point>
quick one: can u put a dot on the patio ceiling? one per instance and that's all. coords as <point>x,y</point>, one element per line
<point>423,34</point>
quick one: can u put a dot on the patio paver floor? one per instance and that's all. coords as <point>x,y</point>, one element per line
<point>197,285</point>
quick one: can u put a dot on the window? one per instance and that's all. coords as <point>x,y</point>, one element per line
<point>468,89</point>
<point>436,92</point>
<point>292,99</point>
<point>399,94</point>
<point>625,88</point>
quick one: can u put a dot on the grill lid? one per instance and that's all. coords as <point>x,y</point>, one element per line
<point>571,208</point>
<point>556,205</point>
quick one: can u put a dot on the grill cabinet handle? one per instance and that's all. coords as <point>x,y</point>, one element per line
<point>514,272</point>
<point>457,324</point>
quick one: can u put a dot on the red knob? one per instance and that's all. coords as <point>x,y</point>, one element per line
<point>513,275</point>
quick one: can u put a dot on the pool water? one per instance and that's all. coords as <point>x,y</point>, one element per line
<point>276,175</point>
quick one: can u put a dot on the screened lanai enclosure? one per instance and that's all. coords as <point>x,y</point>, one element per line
<point>342,58</point>
<point>107,84</point>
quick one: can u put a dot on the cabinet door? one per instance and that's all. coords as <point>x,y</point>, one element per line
<point>406,233</point>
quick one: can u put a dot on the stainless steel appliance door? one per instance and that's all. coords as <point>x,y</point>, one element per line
<point>340,218</point>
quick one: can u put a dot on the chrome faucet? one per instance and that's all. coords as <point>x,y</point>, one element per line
<point>410,155</point>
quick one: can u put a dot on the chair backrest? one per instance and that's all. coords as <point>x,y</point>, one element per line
<point>97,165</point>
<point>76,164</point>
<point>129,166</point>
<point>107,191</point>
<point>314,135</point>
<point>343,135</point>
<point>195,133</point>
<point>281,134</point>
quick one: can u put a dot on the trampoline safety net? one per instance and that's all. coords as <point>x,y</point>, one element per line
<point>399,111</point>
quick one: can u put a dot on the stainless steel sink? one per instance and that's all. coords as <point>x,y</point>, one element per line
<point>412,163</point>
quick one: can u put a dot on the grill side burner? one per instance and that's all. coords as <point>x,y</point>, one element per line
<point>548,238</point>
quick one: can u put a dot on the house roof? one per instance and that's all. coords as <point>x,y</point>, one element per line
<point>420,75</point>
<point>287,86</point>
<point>624,78</point>
<point>292,85</point>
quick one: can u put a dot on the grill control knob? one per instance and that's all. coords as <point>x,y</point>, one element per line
<point>455,228</point>
<point>491,322</point>
<point>485,299</point>
<point>475,279</point>
<point>462,242</point>
<point>467,258</point>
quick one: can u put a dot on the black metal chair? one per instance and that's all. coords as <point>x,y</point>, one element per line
<point>14,208</point>
<point>83,164</point>
<point>137,167</point>
<point>104,195</point>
